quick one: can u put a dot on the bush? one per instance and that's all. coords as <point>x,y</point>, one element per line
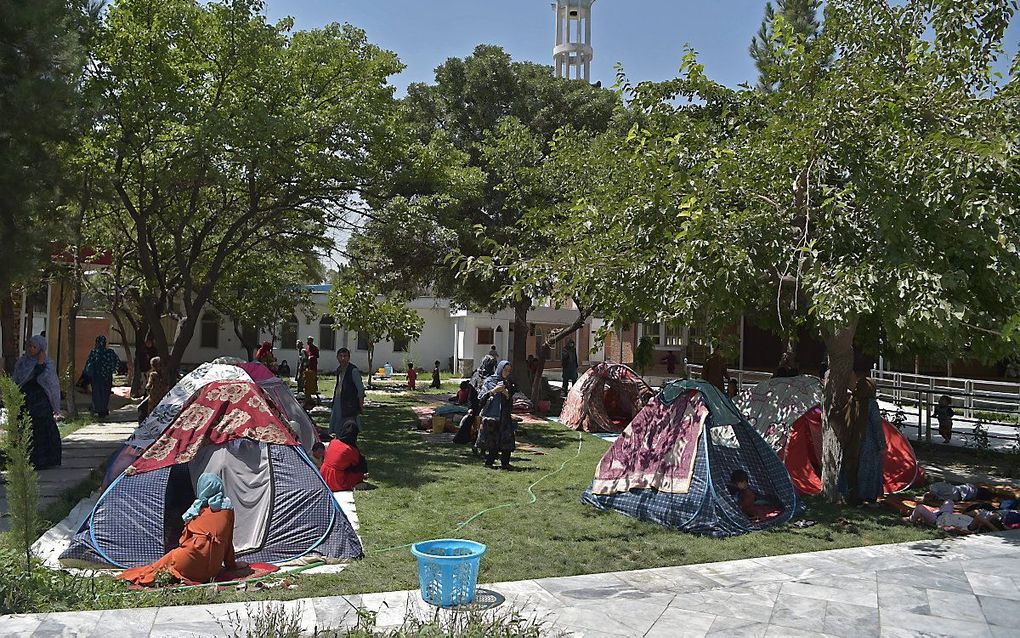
<point>22,482</point>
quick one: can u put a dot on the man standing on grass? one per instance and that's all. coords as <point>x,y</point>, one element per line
<point>568,366</point>
<point>311,371</point>
<point>348,394</point>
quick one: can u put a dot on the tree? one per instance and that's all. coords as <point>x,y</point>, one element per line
<point>487,107</point>
<point>41,58</point>
<point>227,140</point>
<point>878,181</point>
<point>358,305</point>
<point>800,16</point>
<point>264,290</point>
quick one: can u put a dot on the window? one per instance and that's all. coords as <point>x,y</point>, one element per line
<point>289,334</point>
<point>675,334</point>
<point>210,330</point>
<point>653,331</point>
<point>327,333</point>
<point>401,344</point>
<point>486,337</point>
<point>363,341</point>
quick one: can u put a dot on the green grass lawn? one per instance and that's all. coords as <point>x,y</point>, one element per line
<point>426,491</point>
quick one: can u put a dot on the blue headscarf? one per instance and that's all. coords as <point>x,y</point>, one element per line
<point>47,380</point>
<point>496,377</point>
<point>209,492</point>
<point>102,362</point>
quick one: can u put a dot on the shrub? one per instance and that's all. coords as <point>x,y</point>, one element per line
<point>22,482</point>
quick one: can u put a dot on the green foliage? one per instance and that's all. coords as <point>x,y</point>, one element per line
<point>231,145</point>
<point>795,20</point>
<point>361,306</point>
<point>41,66</point>
<point>31,591</point>
<point>22,481</point>
<point>645,354</point>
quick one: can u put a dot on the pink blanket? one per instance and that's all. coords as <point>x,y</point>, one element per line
<point>657,450</point>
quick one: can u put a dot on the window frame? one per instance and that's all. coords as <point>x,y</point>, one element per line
<point>210,320</point>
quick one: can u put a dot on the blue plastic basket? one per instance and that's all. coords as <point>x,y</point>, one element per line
<point>448,570</point>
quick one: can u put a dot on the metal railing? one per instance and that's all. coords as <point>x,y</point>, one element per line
<point>988,410</point>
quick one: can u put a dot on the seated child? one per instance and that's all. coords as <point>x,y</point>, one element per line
<point>341,463</point>
<point>741,489</point>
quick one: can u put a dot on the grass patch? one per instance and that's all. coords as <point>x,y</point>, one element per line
<point>69,426</point>
<point>425,491</point>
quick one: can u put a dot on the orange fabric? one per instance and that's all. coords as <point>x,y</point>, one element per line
<point>900,468</point>
<point>336,467</point>
<point>206,548</point>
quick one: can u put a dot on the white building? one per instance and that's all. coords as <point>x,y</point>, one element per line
<point>457,338</point>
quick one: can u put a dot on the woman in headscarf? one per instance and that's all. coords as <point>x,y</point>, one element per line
<point>497,433</point>
<point>341,463</point>
<point>100,367</point>
<point>36,375</point>
<point>865,446</point>
<point>207,543</point>
<point>265,355</point>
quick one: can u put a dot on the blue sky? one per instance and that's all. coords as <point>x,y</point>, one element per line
<point>647,36</point>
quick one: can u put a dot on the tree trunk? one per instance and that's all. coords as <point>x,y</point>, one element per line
<point>123,334</point>
<point>835,395</point>
<point>72,338</point>
<point>10,329</point>
<point>137,382</point>
<point>545,350</point>
<point>519,349</point>
<point>249,348</point>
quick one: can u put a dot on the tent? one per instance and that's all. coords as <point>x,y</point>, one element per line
<point>284,510</point>
<point>672,466</point>
<point>605,398</point>
<point>170,406</point>
<point>785,410</point>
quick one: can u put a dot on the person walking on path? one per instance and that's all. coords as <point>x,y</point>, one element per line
<point>36,375</point>
<point>99,368</point>
<point>156,386</point>
<point>497,435</point>
<point>861,479</point>
<point>348,394</point>
<point>568,365</point>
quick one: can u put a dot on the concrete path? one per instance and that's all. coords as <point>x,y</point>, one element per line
<point>957,587</point>
<point>83,451</point>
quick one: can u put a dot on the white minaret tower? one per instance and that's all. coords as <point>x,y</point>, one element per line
<point>573,39</point>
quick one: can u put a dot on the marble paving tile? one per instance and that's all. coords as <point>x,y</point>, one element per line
<point>20,624</point>
<point>865,598</point>
<point>993,585</point>
<point>955,605</point>
<point>949,578</point>
<point>850,621</point>
<point>732,627</point>
<point>752,602</point>
<point>1002,612</point>
<point>672,579</point>
<point>897,598</point>
<point>128,623</point>
<point>71,623</point>
<point>638,615</point>
<point>995,566</point>
<point>855,583</point>
<point>390,607</point>
<point>593,619</point>
<point>681,623</point>
<point>798,612</point>
<point>740,572</point>
<point>333,612</point>
<point>777,631</point>
<point>934,626</point>
<point>595,587</point>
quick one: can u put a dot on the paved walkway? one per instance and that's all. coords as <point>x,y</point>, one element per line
<point>955,587</point>
<point>83,451</point>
